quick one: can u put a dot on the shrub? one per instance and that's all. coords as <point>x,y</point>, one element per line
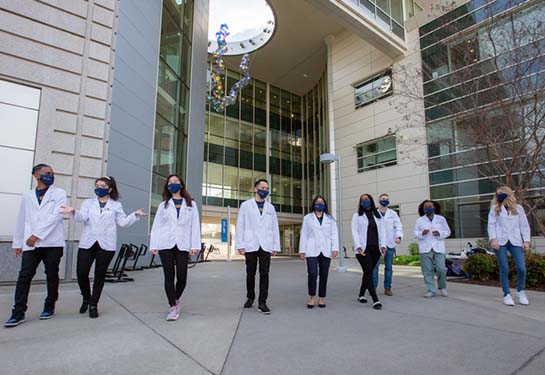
<point>415,263</point>
<point>481,266</point>
<point>413,248</point>
<point>405,260</point>
<point>535,270</point>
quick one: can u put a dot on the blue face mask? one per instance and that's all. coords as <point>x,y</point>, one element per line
<point>174,188</point>
<point>319,206</point>
<point>262,193</point>
<point>47,179</point>
<point>384,202</point>
<point>102,192</point>
<point>501,197</point>
<point>365,204</point>
<point>429,210</point>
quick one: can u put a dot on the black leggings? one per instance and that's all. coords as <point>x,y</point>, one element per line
<point>174,263</point>
<point>368,263</point>
<point>318,266</point>
<point>102,259</point>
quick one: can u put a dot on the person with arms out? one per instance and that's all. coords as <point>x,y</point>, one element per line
<point>257,238</point>
<point>100,217</point>
<point>369,243</point>
<point>394,235</point>
<point>509,231</point>
<point>430,230</point>
<point>318,244</point>
<point>39,237</point>
<point>175,235</point>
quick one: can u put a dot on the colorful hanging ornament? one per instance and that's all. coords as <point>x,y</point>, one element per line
<point>217,96</point>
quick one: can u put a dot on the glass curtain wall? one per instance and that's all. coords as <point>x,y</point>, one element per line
<point>458,176</point>
<point>171,122</point>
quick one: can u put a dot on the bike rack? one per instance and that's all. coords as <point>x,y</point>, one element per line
<point>118,274</point>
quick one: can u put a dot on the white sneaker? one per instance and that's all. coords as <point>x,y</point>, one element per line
<point>523,300</point>
<point>178,307</point>
<point>172,314</point>
<point>508,301</point>
<point>444,292</point>
<point>429,295</point>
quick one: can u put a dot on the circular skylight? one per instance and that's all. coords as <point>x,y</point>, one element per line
<point>251,24</point>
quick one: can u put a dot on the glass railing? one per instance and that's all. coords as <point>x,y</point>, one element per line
<point>387,14</point>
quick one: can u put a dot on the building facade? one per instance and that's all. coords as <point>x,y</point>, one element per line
<point>118,87</point>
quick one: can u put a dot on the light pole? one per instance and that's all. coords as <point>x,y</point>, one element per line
<point>329,159</point>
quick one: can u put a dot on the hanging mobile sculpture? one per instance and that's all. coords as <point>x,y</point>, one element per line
<point>217,96</point>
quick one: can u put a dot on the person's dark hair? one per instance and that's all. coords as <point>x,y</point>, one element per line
<point>435,204</point>
<point>372,208</point>
<point>110,182</point>
<point>184,193</point>
<point>326,209</point>
<point>383,195</point>
<point>37,167</point>
<point>260,181</point>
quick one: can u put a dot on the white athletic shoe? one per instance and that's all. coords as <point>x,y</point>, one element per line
<point>173,314</point>
<point>444,292</point>
<point>523,300</point>
<point>508,301</point>
<point>429,295</point>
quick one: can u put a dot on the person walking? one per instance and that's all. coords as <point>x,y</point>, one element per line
<point>100,217</point>
<point>430,230</point>
<point>175,235</point>
<point>509,231</point>
<point>257,237</point>
<point>319,243</point>
<point>39,237</point>
<point>369,243</point>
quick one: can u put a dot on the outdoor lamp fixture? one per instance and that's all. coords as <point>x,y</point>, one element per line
<point>329,159</point>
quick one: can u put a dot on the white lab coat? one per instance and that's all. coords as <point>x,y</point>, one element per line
<point>168,230</point>
<point>392,227</point>
<point>506,227</point>
<point>429,241</point>
<point>316,238</point>
<point>41,220</point>
<point>100,224</point>
<point>255,229</point>
<point>359,231</point>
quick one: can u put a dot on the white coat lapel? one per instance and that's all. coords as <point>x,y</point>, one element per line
<point>46,198</point>
<point>171,210</point>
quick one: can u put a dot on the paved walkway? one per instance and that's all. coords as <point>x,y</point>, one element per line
<point>470,332</point>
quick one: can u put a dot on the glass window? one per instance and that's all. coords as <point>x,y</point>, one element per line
<point>378,87</point>
<point>377,154</point>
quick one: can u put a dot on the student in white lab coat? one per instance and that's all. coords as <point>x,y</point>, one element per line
<point>394,235</point>
<point>430,230</point>
<point>369,243</point>
<point>257,237</point>
<point>175,235</point>
<point>509,231</point>
<point>100,217</point>
<point>39,237</point>
<point>318,244</point>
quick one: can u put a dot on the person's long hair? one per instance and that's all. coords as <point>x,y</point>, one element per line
<point>183,192</point>
<point>110,182</point>
<point>313,204</point>
<point>510,202</point>
<point>372,207</point>
<point>435,204</point>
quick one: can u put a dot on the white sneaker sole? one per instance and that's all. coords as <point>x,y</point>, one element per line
<point>266,312</point>
<point>10,325</point>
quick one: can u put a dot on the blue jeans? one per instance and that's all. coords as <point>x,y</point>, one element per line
<point>388,272</point>
<point>518,257</point>
<point>432,264</point>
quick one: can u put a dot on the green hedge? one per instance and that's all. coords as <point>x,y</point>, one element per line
<point>406,260</point>
<point>485,267</point>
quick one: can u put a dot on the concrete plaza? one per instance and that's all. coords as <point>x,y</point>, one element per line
<point>470,332</point>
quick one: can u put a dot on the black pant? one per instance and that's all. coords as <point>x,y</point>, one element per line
<point>251,268</point>
<point>174,258</point>
<point>51,257</point>
<point>313,263</point>
<point>368,263</point>
<point>102,259</point>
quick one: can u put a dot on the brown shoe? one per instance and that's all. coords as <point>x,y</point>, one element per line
<point>388,292</point>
